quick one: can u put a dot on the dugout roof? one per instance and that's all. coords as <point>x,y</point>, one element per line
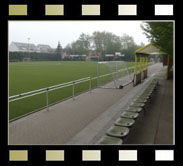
<point>147,50</point>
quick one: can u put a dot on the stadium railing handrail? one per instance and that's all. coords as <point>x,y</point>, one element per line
<point>43,90</point>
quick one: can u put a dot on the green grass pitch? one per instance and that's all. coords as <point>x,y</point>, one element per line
<point>28,76</point>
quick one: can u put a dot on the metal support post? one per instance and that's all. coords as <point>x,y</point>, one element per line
<point>147,63</point>
<point>73,86</point>
<point>135,67</point>
<point>140,64</point>
<point>47,99</point>
<point>98,73</point>
<point>116,70</point>
<point>90,84</point>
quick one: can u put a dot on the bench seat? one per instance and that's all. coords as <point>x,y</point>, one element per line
<point>140,100</point>
<point>124,122</point>
<point>118,131</point>
<point>136,104</point>
<point>129,115</point>
<point>107,140</point>
<point>134,109</point>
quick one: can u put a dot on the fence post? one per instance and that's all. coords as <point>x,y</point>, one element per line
<point>98,74</point>
<point>73,84</point>
<point>90,85</point>
<point>47,99</point>
<point>116,70</point>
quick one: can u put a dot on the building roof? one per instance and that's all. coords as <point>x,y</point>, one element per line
<point>25,46</point>
<point>149,49</point>
<point>43,46</point>
<point>32,47</point>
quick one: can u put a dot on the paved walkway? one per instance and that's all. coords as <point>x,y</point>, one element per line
<point>67,120</point>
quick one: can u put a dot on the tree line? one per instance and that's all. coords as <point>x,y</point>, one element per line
<point>100,42</point>
<point>104,43</point>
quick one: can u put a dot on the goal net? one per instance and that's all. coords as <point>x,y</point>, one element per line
<point>113,74</point>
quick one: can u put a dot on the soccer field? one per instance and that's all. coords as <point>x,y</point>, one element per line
<point>28,76</point>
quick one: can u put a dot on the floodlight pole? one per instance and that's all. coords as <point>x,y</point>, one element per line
<point>28,48</point>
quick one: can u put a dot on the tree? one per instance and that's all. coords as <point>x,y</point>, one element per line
<point>161,34</point>
<point>106,42</point>
<point>129,47</point>
<point>103,43</point>
<point>81,46</point>
<point>84,43</point>
<point>59,51</point>
<point>68,49</point>
<point>127,41</point>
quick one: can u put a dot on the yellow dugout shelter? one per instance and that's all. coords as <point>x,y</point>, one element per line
<point>141,62</point>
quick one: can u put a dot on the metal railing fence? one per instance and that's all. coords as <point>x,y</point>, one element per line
<point>63,85</point>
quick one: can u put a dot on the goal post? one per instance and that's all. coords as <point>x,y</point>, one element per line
<point>112,74</point>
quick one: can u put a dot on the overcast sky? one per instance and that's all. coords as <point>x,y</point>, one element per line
<point>50,32</point>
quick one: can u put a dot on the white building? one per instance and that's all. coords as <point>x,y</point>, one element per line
<point>25,47</point>
<point>22,47</point>
<point>43,48</point>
